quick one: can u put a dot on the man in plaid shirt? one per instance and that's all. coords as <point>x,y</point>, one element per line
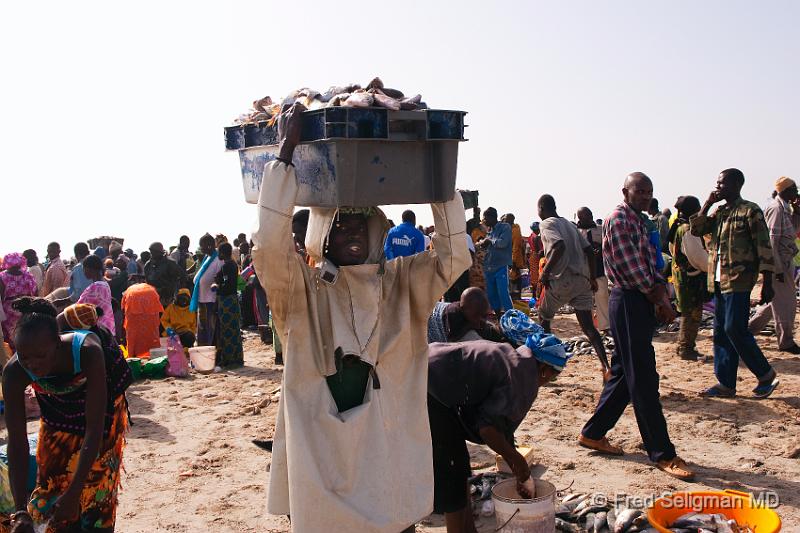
<point>637,302</point>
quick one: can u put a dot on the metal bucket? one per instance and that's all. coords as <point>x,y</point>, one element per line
<point>518,515</point>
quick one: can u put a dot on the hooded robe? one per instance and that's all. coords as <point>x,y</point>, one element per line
<point>369,468</point>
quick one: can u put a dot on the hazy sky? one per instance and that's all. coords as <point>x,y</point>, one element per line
<point>112,113</point>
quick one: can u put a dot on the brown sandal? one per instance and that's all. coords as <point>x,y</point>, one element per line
<point>600,445</point>
<point>677,468</point>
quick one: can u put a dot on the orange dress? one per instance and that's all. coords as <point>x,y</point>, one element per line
<point>142,307</point>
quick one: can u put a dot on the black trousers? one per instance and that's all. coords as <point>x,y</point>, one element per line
<point>633,376</point>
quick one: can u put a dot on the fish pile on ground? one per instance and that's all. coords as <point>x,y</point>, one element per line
<point>374,94</point>
<point>580,345</point>
<point>593,513</point>
<point>580,513</point>
<point>481,491</point>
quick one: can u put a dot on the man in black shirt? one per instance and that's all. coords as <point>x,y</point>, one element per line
<point>162,273</point>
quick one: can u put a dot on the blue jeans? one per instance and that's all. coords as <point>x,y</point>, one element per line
<point>497,289</point>
<point>732,340</point>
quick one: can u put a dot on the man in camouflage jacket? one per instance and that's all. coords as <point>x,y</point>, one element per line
<point>740,250</point>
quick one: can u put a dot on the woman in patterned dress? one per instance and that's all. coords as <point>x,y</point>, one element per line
<point>229,340</point>
<point>80,378</point>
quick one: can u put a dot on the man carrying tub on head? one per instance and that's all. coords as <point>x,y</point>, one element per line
<point>351,433</point>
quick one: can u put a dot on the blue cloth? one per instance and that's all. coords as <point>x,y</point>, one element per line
<point>655,242</point>
<point>78,282</point>
<point>518,326</point>
<point>498,255</point>
<point>196,292</point>
<point>497,289</point>
<point>403,240</point>
<point>732,340</point>
<point>545,347</point>
<point>634,378</point>
<point>133,268</point>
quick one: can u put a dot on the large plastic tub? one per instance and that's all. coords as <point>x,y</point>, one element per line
<point>360,157</point>
<point>734,504</point>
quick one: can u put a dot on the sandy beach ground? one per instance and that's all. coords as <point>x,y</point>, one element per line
<point>190,464</point>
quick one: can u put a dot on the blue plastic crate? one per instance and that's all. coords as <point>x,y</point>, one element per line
<point>352,123</point>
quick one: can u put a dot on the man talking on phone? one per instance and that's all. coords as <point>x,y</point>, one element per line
<point>740,250</point>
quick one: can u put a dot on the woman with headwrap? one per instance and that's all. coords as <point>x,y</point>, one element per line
<point>689,267</point>
<point>15,282</point>
<point>79,377</point>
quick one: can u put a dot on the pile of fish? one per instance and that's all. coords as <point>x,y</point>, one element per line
<point>703,523</point>
<point>374,94</point>
<point>580,345</point>
<point>594,513</point>
<point>481,492</point>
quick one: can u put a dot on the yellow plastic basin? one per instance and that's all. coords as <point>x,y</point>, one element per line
<point>734,504</point>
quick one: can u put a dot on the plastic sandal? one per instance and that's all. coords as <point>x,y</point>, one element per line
<point>717,392</point>
<point>764,391</point>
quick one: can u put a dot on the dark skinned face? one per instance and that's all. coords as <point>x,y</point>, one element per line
<point>727,188</point>
<point>53,251</point>
<point>38,353</point>
<point>585,217</point>
<point>489,220</point>
<point>156,252</point>
<point>790,194</point>
<point>638,194</point>
<point>92,274</point>
<point>547,374</point>
<point>348,241</point>
<point>207,246</point>
<point>299,230</point>
<point>182,300</point>
<point>475,312</point>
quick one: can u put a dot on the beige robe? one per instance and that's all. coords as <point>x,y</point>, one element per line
<point>368,469</point>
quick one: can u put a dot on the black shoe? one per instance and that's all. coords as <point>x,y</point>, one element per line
<point>793,349</point>
<point>263,444</point>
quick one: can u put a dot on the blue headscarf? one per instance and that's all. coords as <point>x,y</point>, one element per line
<point>546,348</point>
<point>194,304</point>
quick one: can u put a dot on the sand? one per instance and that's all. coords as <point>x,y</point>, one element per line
<point>190,464</point>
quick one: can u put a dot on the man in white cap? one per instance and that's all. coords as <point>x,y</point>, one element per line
<point>783,219</point>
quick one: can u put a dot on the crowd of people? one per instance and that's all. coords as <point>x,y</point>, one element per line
<point>355,306</point>
<point>623,277</point>
<point>195,294</point>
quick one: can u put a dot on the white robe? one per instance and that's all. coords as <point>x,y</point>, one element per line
<point>368,469</point>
